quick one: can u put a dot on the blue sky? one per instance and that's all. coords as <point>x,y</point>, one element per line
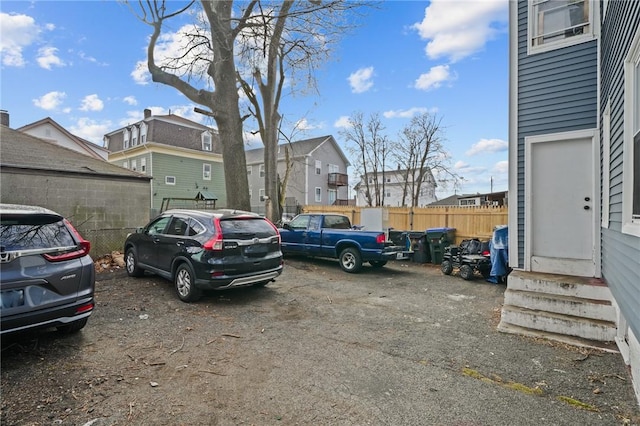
<point>76,62</point>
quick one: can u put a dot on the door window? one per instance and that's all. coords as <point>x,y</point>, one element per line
<point>158,226</point>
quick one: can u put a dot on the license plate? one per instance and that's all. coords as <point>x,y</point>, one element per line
<point>11,298</point>
<point>256,250</point>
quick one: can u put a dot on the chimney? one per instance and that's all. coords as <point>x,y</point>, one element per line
<point>4,117</point>
<point>147,113</point>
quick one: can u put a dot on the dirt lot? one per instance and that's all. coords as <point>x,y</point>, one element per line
<point>404,345</point>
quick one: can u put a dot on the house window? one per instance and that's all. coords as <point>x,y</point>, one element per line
<point>250,193</point>
<point>134,165</point>
<point>559,23</point>
<point>387,194</point>
<point>143,165</point>
<point>631,160</point>
<point>143,133</point>
<point>318,167</point>
<point>126,135</point>
<point>332,196</point>
<point>334,168</point>
<point>249,170</point>
<point>318,194</point>
<point>170,180</point>
<point>134,136</point>
<point>388,180</point>
<point>261,194</point>
<point>206,141</point>
<point>206,171</point>
<point>125,164</point>
<point>261,170</point>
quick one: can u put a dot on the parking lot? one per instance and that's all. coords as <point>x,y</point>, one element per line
<point>401,345</point>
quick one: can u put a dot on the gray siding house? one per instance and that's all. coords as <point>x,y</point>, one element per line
<point>317,176</point>
<point>574,158</point>
<point>183,157</point>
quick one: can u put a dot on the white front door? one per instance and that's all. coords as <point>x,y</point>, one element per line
<point>560,204</point>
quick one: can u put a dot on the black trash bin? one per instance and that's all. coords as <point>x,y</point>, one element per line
<point>438,239</point>
<point>417,243</point>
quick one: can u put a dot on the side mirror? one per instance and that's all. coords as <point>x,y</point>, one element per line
<point>286,226</point>
<point>139,230</point>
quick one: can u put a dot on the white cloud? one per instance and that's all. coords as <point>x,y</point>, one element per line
<point>304,124</point>
<point>91,130</point>
<point>140,73</point>
<point>434,78</point>
<point>130,100</point>
<point>92,103</point>
<point>342,122</point>
<point>50,101</point>
<point>407,113</point>
<point>17,32</point>
<point>501,167</point>
<point>48,56</point>
<point>463,167</point>
<point>361,80</point>
<point>488,146</point>
<point>457,29</point>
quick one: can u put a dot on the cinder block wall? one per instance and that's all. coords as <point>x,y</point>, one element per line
<point>103,209</point>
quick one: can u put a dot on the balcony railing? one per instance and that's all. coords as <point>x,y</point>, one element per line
<point>338,179</point>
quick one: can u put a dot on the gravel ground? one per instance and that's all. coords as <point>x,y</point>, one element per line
<point>404,345</point>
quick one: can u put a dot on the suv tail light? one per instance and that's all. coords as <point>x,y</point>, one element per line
<point>84,247</point>
<point>275,228</point>
<point>215,243</point>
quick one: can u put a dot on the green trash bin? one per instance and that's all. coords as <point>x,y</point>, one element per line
<point>439,239</point>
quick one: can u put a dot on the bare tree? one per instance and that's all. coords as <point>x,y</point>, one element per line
<point>368,143</point>
<point>272,40</point>
<point>420,153</point>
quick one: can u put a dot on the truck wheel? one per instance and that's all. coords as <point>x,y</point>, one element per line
<point>446,267</point>
<point>377,263</point>
<point>350,260</point>
<point>466,272</point>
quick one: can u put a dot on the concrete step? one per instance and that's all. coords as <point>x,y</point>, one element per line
<point>569,305</point>
<point>562,338</point>
<point>562,285</point>
<point>585,328</point>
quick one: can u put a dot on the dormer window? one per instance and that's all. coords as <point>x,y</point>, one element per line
<point>134,136</point>
<point>126,136</point>
<point>206,141</point>
<point>143,132</point>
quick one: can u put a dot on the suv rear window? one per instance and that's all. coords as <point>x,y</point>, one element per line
<point>29,232</point>
<point>244,229</point>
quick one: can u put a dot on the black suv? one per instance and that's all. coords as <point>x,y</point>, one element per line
<point>47,277</point>
<point>206,250</point>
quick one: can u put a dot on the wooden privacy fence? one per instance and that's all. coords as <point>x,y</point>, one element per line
<point>469,222</point>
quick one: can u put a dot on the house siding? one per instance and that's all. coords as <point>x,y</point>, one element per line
<point>189,181</point>
<point>620,252</point>
<point>557,92</point>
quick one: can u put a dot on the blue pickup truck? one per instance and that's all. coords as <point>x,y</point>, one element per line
<point>332,236</point>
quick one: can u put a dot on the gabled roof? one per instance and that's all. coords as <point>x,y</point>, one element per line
<point>300,148</point>
<point>451,200</point>
<point>90,148</point>
<point>23,151</point>
<point>170,118</point>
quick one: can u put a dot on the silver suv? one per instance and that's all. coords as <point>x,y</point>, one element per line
<point>47,277</point>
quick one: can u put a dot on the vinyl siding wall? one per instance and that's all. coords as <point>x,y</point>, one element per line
<point>557,92</point>
<point>620,252</point>
<point>188,174</point>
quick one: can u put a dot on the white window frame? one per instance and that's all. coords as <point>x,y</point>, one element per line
<point>125,138</point>
<point>143,133</point>
<point>587,35</point>
<point>334,168</point>
<point>207,141</point>
<point>630,225</point>
<point>134,136</point>
<point>261,170</point>
<point>125,164</point>
<point>606,163</point>
<point>206,175</point>
<point>249,170</point>
<point>170,180</point>
<point>318,167</point>
<point>318,194</point>
<point>143,165</point>
<point>261,194</point>
<point>134,165</point>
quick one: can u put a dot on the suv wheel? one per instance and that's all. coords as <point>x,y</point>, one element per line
<point>185,284</point>
<point>74,327</point>
<point>131,262</point>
